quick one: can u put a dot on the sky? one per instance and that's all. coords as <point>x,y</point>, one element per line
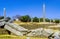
<point>33,8</point>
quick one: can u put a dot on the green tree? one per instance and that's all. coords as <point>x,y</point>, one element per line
<point>25,18</point>
<point>51,20</point>
<point>41,19</point>
<point>47,20</point>
<point>35,19</point>
<point>57,20</point>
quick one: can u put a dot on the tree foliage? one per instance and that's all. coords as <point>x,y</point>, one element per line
<point>41,19</point>
<point>47,20</point>
<point>57,20</point>
<point>25,18</point>
<point>35,19</point>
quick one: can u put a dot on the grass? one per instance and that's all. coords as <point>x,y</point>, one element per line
<point>11,37</point>
<point>18,37</point>
<point>33,25</point>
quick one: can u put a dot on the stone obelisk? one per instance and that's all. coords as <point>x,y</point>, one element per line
<point>4,13</point>
<point>43,12</point>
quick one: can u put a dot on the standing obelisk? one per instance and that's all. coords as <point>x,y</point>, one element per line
<point>4,13</point>
<point>43,12</point>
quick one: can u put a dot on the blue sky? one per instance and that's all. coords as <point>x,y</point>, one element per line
<point>30,7</point>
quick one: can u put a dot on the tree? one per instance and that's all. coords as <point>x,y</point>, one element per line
<point>35,19</point>
<point>41,19</point>
<point>57,20</point>
<point>51,20</point>
<point>47,20</point>
<point>25,18</point>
